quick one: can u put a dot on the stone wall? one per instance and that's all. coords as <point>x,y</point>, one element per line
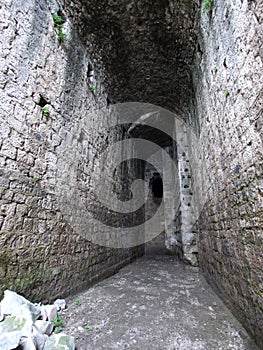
<point>207,71</point>
<point>46,152</point>
<point>228,82</point>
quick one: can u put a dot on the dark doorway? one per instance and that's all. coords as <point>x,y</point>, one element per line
<point>157,187</point>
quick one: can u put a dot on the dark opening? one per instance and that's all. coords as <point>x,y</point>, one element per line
<point>157,187</point>
<point>42,101</point>
<point>90,70</point>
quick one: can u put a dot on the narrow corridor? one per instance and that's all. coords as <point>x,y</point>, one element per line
<point>154,303</point>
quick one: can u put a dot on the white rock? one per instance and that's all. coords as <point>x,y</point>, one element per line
<point>44,327</point>
<point>60,304</point>
<point>16,323</point>
<point>10,340</point>
<point>28,343</point>
<point>1,315</point>
<point>12,300</point>
<point>39,339</point>
<point>12,329</point>
<point>26,312</point>
<point>51,311</point>
<point>20,326</point>
<point>60,341</point>
<point>43,313</point>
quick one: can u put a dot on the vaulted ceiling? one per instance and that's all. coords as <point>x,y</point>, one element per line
<point>145,47</point>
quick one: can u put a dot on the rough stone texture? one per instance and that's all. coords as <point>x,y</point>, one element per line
<point>23,325</point>
<point>39,251</point>
<point>228,83</point>
<point>206,69</point>
<point>154,303</point>
<point>146,47</point>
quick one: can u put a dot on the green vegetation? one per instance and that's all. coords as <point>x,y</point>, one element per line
<point>58,23</point>
<point>45,111</point>
<point>89,327</point>
<point>58,321</point>
<point>27,280</point>
<point>214,303</point>
<point>207,4</point>
<point>92,89</point>
<point>226,92</point>
<point>78,302</point>
<point>36,179</point>
<point>215,70</point>
<point>61,36</point>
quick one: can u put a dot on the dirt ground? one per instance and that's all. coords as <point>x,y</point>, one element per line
<point>154,303</point>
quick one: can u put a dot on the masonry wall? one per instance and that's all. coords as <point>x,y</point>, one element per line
<point>228,82</point>
<point>45,251</point>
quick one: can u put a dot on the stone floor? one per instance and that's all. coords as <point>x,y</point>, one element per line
<point>154,303</point>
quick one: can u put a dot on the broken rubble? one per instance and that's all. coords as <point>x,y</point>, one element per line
<point>60,342</point>
<point>28,343</point>
<point>44,327</point>
<point>12,301</point>
<point>11,331</point>
<point>29,327</point>
<point>39,339</point>
<point>60,304</point>
<point>51,311</point>
<point>10,342</point>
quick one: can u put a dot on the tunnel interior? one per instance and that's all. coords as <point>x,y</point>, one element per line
<point>142,51</point>
<point>60,84</point>
<point>157,186</point>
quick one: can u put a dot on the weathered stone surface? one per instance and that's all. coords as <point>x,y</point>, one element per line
<point>10,340</point>
<point>39,338</point>
<point>228,81</point>
<point>38,71</point>
<point>14,304</point>
<point>206,69</point>
<point>50,311</point>
<point>28,343</point>
<point>21,326</point>
<point>44,327</point>
<point>12,329</point>
<point>60,342</point>
<point>60,304</point>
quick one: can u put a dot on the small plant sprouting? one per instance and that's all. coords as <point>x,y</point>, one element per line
<point>214,303</point>
<point>215,70</point>
<point>45,111</point>
<point>58,321</point>
<point>88,327</point>
<point>58,21</point>
<point>227,120</point>
<point>78,302</point>
<point>61,36</point>
<point>92,89</point>
<point>58,329</point>
<point>36,179</point>
<point>226,92</point>
<point>207,4</point>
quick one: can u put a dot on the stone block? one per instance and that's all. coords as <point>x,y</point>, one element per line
<point>60,342</point>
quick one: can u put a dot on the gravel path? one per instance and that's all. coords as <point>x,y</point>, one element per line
<point>153,303</point>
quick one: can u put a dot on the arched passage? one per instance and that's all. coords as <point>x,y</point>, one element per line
<point>148,52</point>
<point>157,187</point>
